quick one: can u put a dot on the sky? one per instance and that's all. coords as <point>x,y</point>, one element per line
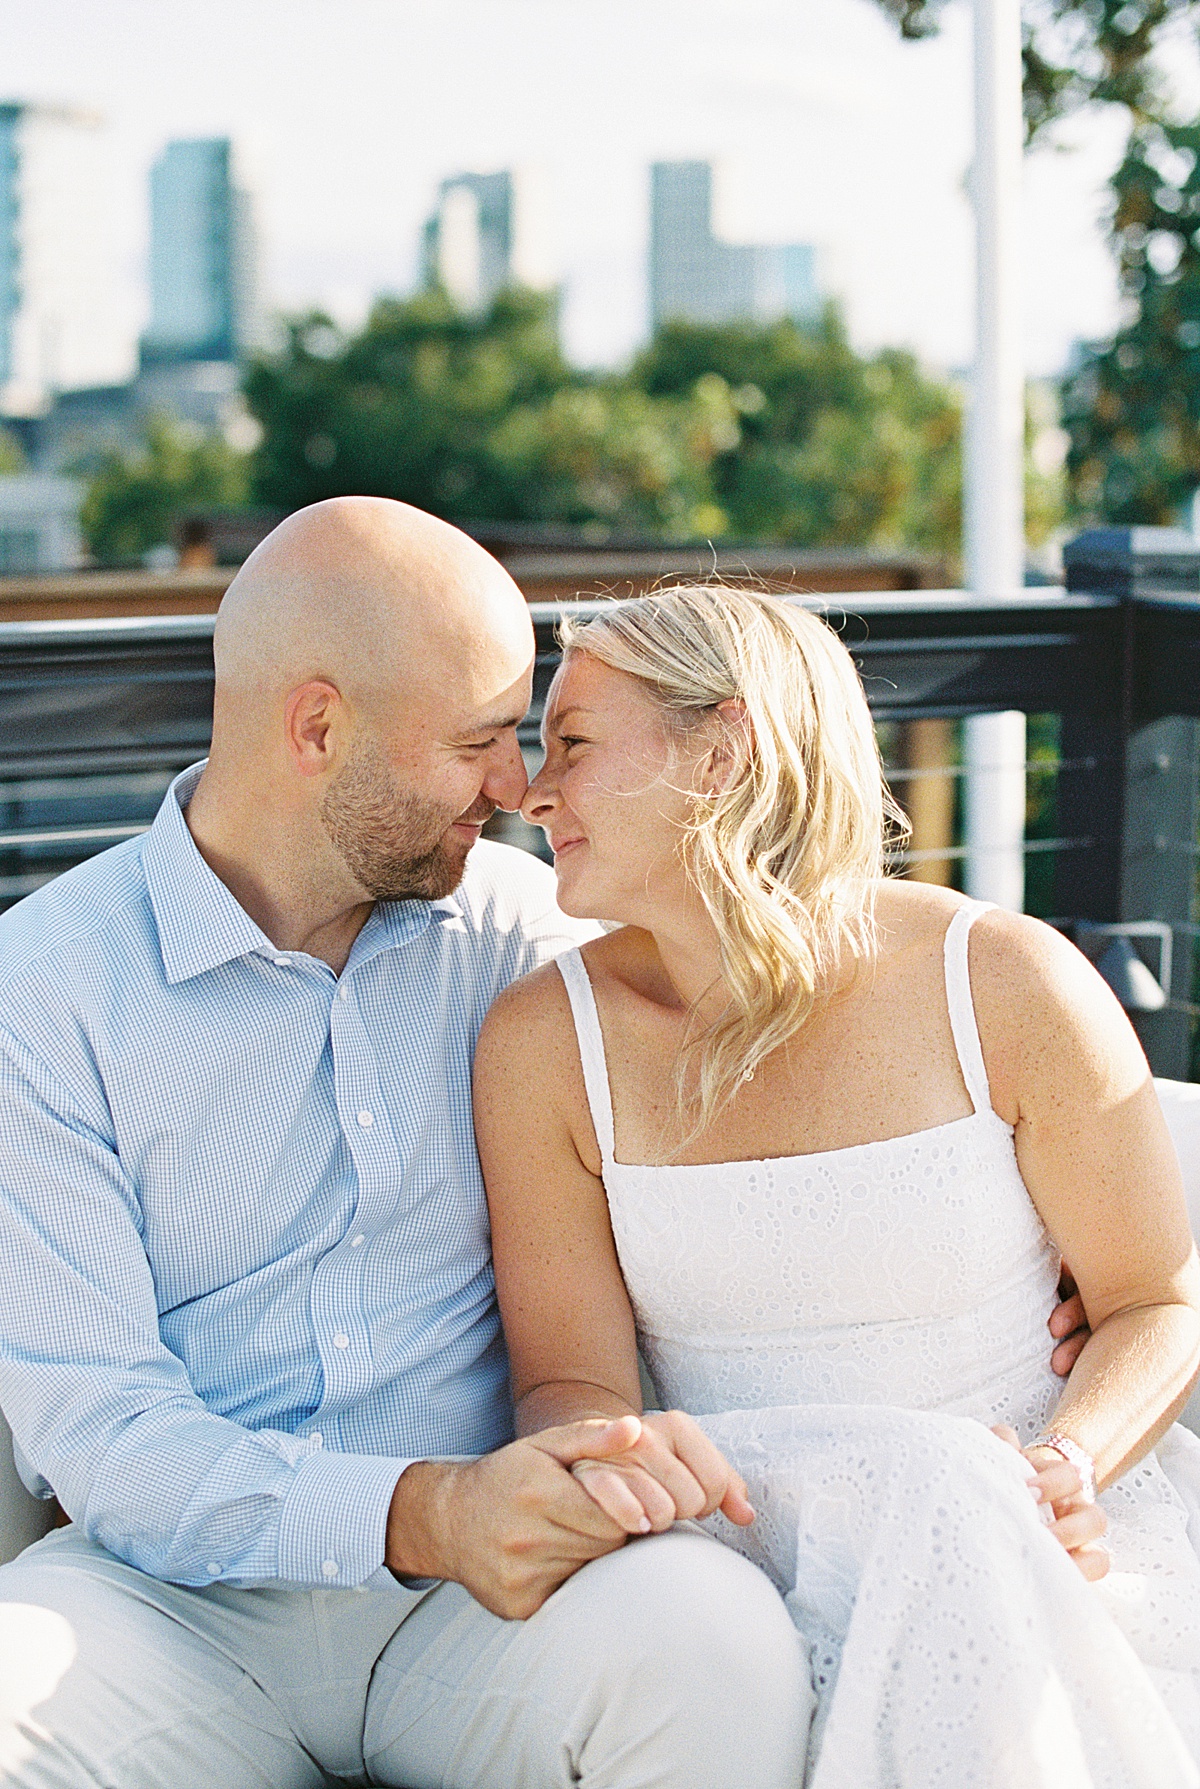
<point>824,125</point>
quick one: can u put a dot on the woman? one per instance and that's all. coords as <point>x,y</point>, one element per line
<point>819,1141</point>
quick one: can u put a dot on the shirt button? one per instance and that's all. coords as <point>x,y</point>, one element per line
<point>343,992</point>
<point>280,962</point>
<point>213,1569</point>
<point>366,1119</point>
<point>341,1341</point>
<point>356,1242</point>
<point>329,1569</point>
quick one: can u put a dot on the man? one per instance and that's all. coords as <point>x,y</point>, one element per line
<point>247,1319</point>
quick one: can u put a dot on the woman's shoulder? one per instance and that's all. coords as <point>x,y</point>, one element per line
<point>1032,990</point>
<point>1002,943</point>
<point>534,1004</point>
<point>1049,1025</point>
<point>535,1011</point>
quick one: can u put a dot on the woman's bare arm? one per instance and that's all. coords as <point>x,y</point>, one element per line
<point>1067,1071</point>
<point>567,1317</point>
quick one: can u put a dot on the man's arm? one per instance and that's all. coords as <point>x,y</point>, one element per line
<point>105,1414</point>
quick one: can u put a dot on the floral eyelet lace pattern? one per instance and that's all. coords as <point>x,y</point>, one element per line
<point>846,1326</point>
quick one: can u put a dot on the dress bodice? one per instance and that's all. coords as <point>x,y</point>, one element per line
<point>912,1271</point>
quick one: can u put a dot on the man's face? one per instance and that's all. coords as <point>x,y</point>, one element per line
<point>404,820</point>
<point>399,845</point>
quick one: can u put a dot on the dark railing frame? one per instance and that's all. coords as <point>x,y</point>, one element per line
<point>83,698</point>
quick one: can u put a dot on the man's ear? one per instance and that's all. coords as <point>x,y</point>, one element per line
<point>731,747</point>
<point>314,719</point>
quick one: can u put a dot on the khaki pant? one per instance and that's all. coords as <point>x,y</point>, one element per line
<point>671,1664</point>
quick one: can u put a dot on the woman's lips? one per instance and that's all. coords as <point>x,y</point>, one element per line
<point>560,850</point>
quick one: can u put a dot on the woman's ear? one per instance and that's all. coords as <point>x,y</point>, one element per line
<point>731,747</point>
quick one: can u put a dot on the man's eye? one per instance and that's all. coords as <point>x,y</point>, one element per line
<point>480,745</point>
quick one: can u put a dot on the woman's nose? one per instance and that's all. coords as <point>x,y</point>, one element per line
<point>539,800</point>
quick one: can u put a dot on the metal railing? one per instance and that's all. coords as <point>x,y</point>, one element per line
<point>97,716</point>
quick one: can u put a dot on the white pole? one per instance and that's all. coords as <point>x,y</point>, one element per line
<point>993,497</point>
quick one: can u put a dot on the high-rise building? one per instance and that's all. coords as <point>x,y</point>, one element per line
<point>203,257</point>
<point>488,231</point>
<point>60,325</point>
<point>695,277</point>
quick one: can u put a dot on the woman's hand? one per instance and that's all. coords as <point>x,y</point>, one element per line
<point>1075,1521</point>
<point>671,1473</point>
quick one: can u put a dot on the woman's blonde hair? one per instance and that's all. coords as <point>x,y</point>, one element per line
<point>787,855</point>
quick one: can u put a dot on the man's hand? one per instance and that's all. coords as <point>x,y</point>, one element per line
<point>512,1526</point>
<point>671,1472</point>
<point>1068,1325</point>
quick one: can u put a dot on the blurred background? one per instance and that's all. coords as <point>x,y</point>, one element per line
<point>631,289</point>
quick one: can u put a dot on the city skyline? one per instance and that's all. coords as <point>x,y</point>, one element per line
<point>825,127</point>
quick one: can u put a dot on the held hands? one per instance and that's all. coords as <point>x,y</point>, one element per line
<point>1076,1523</point>
<point>513,1525</point>
<point>670,1472</point>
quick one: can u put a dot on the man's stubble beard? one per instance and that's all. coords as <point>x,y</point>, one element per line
<point>393,841</point>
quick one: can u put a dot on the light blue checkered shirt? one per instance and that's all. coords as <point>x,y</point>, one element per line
<point>246,1274</point>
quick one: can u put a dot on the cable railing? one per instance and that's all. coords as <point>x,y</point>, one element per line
<point>97,716</point>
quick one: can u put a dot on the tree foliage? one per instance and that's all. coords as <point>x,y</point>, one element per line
<point>1076,52</point>
<point>824,446</point>
<point>12,456</point>
<point>133,498</point>
<point>748,431</point>
<point>1131,405</point>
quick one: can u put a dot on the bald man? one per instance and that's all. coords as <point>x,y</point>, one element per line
<point>248,1334</point>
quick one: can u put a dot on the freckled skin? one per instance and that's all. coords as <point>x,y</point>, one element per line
<point>876,1059</point>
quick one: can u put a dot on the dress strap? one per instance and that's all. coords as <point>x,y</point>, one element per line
<point>962,1006</point>
<point>578,983</point>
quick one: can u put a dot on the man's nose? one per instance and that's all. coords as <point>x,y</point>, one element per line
<point>507,780</point>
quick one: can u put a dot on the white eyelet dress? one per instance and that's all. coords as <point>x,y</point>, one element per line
<point>846,1326</point>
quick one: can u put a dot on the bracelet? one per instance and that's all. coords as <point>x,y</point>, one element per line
<point>1075,1456</point>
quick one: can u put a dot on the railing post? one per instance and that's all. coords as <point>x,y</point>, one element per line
<point>1162,818</point>
<point>994,496</point>
<point>1146,789</point>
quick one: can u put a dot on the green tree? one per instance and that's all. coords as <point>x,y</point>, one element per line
<point>132,498</point>
<point>824,447</point>
<point>478,418</point>
<point>754,432</point>
<point>1131,405</point>
<point>12,455</point>
<point>1076,52</point>
<point>408,406</point>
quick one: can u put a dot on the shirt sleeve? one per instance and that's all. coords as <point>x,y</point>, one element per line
<point>104,1414</point>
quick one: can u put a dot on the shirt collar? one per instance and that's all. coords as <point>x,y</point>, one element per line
<point>201,925</point>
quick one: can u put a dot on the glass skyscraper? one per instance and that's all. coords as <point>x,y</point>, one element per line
<point>697,278</point>
<point>60,328</point>
<point>203,286</point>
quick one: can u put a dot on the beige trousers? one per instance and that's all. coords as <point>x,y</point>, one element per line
<point>671,1664</point>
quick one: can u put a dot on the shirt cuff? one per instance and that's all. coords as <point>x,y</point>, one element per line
<point>333,1524</point>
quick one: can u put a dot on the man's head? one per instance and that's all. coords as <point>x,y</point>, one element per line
<point>372,664</point>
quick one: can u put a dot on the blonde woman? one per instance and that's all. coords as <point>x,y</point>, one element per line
<point>818,1141</point>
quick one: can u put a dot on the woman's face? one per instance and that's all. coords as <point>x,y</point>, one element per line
<point>610,796</point>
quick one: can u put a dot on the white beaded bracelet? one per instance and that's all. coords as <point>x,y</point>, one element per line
<point>1075,1456</point>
